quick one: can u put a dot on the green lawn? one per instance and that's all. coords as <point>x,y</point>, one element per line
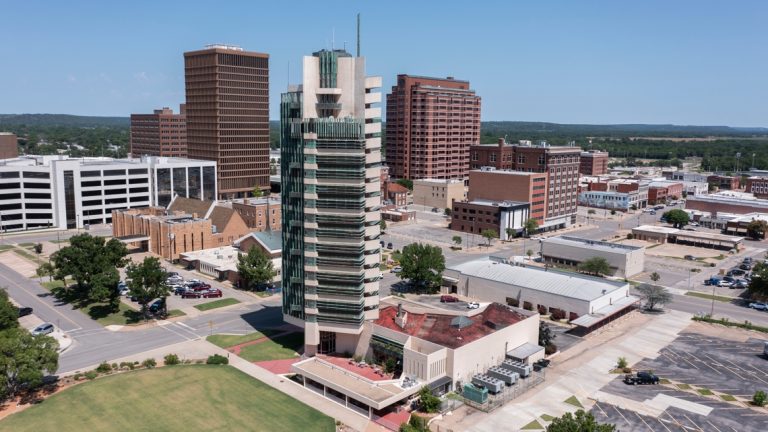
<point>705,392</point>
<point>173,313</point>
<point>25,254</point>
<point>727,397</point>
<point>534,425</point>
<point>172,398</point>
<point>684,386</point>
<point>226,341</point>
<point>723,299</point>
<point>217,304</point>
<point>573,401</point>
<point>27,245</point>
<point>103,314</point>
<point>283,347</point>
<point>4,248</point>
<point>547,417</point>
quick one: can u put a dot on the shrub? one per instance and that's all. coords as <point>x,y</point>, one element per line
<point>217,360</point>
<point>149,363</point>
<point>622,363</point>
<point>91,375</point>
<point>557,314</point>
<point>527,306</point>
<point>198,362</point>
<point>171,359</point>
<point>630,236</point>
<point>78,376</point>
<point>357,358</point>
<point>759,398</point>
<point>429,402</point>
<point>627,370</point>
<point>550,349</point>
<point>104,367</point>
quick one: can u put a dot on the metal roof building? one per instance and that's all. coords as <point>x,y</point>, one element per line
<point>625,260</point>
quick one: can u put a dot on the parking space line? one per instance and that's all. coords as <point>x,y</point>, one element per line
<point>597,404</point>
<point>622,415</point>
<point>661,422</point>
<point>644,422</point>
<point>710,423</point>
<point>694,423</point>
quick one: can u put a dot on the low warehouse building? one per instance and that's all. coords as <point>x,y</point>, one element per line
<point>625,260</point>
<point>585,301</point>
<point>663,235</point>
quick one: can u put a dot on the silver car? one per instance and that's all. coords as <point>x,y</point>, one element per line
<point>43,329</point>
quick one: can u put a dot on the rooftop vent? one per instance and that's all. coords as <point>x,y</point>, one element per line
<point>461,322</point>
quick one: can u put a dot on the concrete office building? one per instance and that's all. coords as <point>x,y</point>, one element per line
<point>62,192</point>
<point>727,202</point>
<point>587,302</point>
<point>331,199</point>
<point>437,193</point>
<point>593,163</point>
<point>227,92</point>
<point>161,133</point>
<point>625,260</point>
<point>431,124</point>
<point>9,145</point>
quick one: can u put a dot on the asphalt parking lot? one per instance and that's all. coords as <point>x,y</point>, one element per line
<point>724,366</point>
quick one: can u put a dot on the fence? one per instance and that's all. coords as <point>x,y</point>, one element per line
<point>509,393</point>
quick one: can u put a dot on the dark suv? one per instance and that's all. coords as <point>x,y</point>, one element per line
<point>641,378</point>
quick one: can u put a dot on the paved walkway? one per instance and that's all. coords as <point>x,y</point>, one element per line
<point>580,371</point>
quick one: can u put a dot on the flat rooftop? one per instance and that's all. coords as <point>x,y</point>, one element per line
<point>509,172</point>
<point>566,284</point>
<point>451,330</point>
<point>484,202</point>
<point>656,229</point>
<point>591,244</point>
<point>222,258</point>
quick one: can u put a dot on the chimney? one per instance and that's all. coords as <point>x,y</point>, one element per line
<point>501,143</point>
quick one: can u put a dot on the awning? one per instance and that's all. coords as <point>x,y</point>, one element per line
<point>132,238</point>
<point>595,317</point>
<point>439,382</point>
<point>524,351</point>
<point>450,279</point>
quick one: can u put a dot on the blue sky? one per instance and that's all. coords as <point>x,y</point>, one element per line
<point>684,62</point>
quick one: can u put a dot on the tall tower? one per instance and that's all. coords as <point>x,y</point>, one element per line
<point>330,166</point>
<point>228,116</point>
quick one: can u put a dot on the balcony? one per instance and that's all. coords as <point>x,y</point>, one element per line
<point>334,106</point>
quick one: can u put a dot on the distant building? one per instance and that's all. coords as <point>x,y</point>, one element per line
<point>723,182</point>
<point>621,195</point>
<point>593,163</point>
<point>9,145</point>
<point>396,194</point>
<point>227,93</point>
<point>661,192</point>
<point>477,216</point>
<point>626,261</point>
<point>661,234</point>
<point>62,192</point>
<point>499,155</point>
<point>519,186</point>
<point>161,133</point>
<point>757,186</point>
<point>260,214</point>
<point>431,124</point>
<point>438,193</point>
<point>686,176</point>
<point>734,202</point>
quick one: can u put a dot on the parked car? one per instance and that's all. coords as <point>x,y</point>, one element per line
<point>191,294</point>
<point>730,279</point>
<point>211,293</point>
<point>725,284</point>
<point>179,289</point>
<point>43,329</point>
<point>747,260</point>
<point>156,306</point>
<point>381,242</point>
<point>24,311</point>
<point>689,257</point>
<point>201,287</point>
<point>653,212</point>
<point>265,286</point>
<point>759,306</point>
<point>736,272</point>
<point>448,299</point>
<point>739,284</point>
<point>397,269</point>
<point>435,210</point>
<point>745,267</point>
<point>694,224</point>
<point>473,305</point>
<point>124,291</point>
<point>641,378</point>
<point>389,245</point>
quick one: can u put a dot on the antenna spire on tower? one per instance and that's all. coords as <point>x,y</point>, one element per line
<point>358,35</point>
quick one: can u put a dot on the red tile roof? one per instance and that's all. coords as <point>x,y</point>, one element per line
<point>437,328</point>
<point>396,188</point>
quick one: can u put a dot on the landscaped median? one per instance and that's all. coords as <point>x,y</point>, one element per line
<point>217,304</point>
<point>172,398</point>
<point>261,346</point>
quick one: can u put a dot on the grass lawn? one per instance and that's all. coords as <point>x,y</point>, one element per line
<point>173,313</point>
<point>547,417</point>
<point>59,241</point>
<point>102,313</point>
<point>534,425</point>
<point>4,248</point>
<point>705,392</point>
<point>573,401</point>
<point>727,397</point>
<point>723,299</point>
<point>173,398</point>
<point>283,347</point>
<point>684,386</point>
<point>216,304</point>
<point>663,381</point>
<point>25,254</point>
<point>226,341</point>
<point>27,245</point>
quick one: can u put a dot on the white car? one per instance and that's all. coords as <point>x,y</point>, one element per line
<point>43,329</point>
<point>397,269</point>
<point>724,284</point>
<point>473,305</point>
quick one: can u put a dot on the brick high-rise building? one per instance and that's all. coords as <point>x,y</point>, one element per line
<point>594,163</point>
<point>227,92</point>
<point>9,147</point>
<point>562,165</point>
<point>431,124</point>
<point>161,133</point>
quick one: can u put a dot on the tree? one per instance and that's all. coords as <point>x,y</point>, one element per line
<point>38,250</point>
<point>655,277</point>
<point>654,295</point>
<point>757,228</point>
<point>423,265</point>
<point>429,403</point>
<point>257,192</point>
<point>759,398</point>
<point>591,211</point>
<point>510,232</point>
<point>678,218</point>
<point>405,183</point>
<point>447,211</point>
<point>596,265</point>
<point>456,240</point>
<point>758,284</point>
<point>529,252</point>
<point>9,315</point>
<point>86,257</point>
<point>415,424</point>
<point>32,358</point>
<point>546,335</point>
<point>255,268</point>
<point>530,226</point>
<point>581,422</point>
<point>147,281</point>
<point>46,269</point>
<point>383,225</point>
<point>489,235</point>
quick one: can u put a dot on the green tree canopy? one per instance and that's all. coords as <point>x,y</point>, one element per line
<point>596,265</point>
<point>255,268</point>
<point>757,228</point>
<point>147,281</point>
<point>422,264</point>
<point>530,226</point>
<point>456,240</point>
<point>581,422</point>
<point>86,257</point>
<point>678,218</point>
<point>405,183</point>
<point>383,225</point>
<point>9,315</point>
<point>654,295</point>
<point>429,403</point>
<point>546,335</point>
<point>758,285</point>
<point>489,235</point>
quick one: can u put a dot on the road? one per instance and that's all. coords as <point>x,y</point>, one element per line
<point>49,235</point>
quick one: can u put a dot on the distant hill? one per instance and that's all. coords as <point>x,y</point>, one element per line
<point>63,120</point>
<point>500,128</point>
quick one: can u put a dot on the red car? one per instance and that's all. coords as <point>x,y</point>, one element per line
<point>191,294</point>
<point>215,292</point>
<point>448,299</point>
<point>201,287</point>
